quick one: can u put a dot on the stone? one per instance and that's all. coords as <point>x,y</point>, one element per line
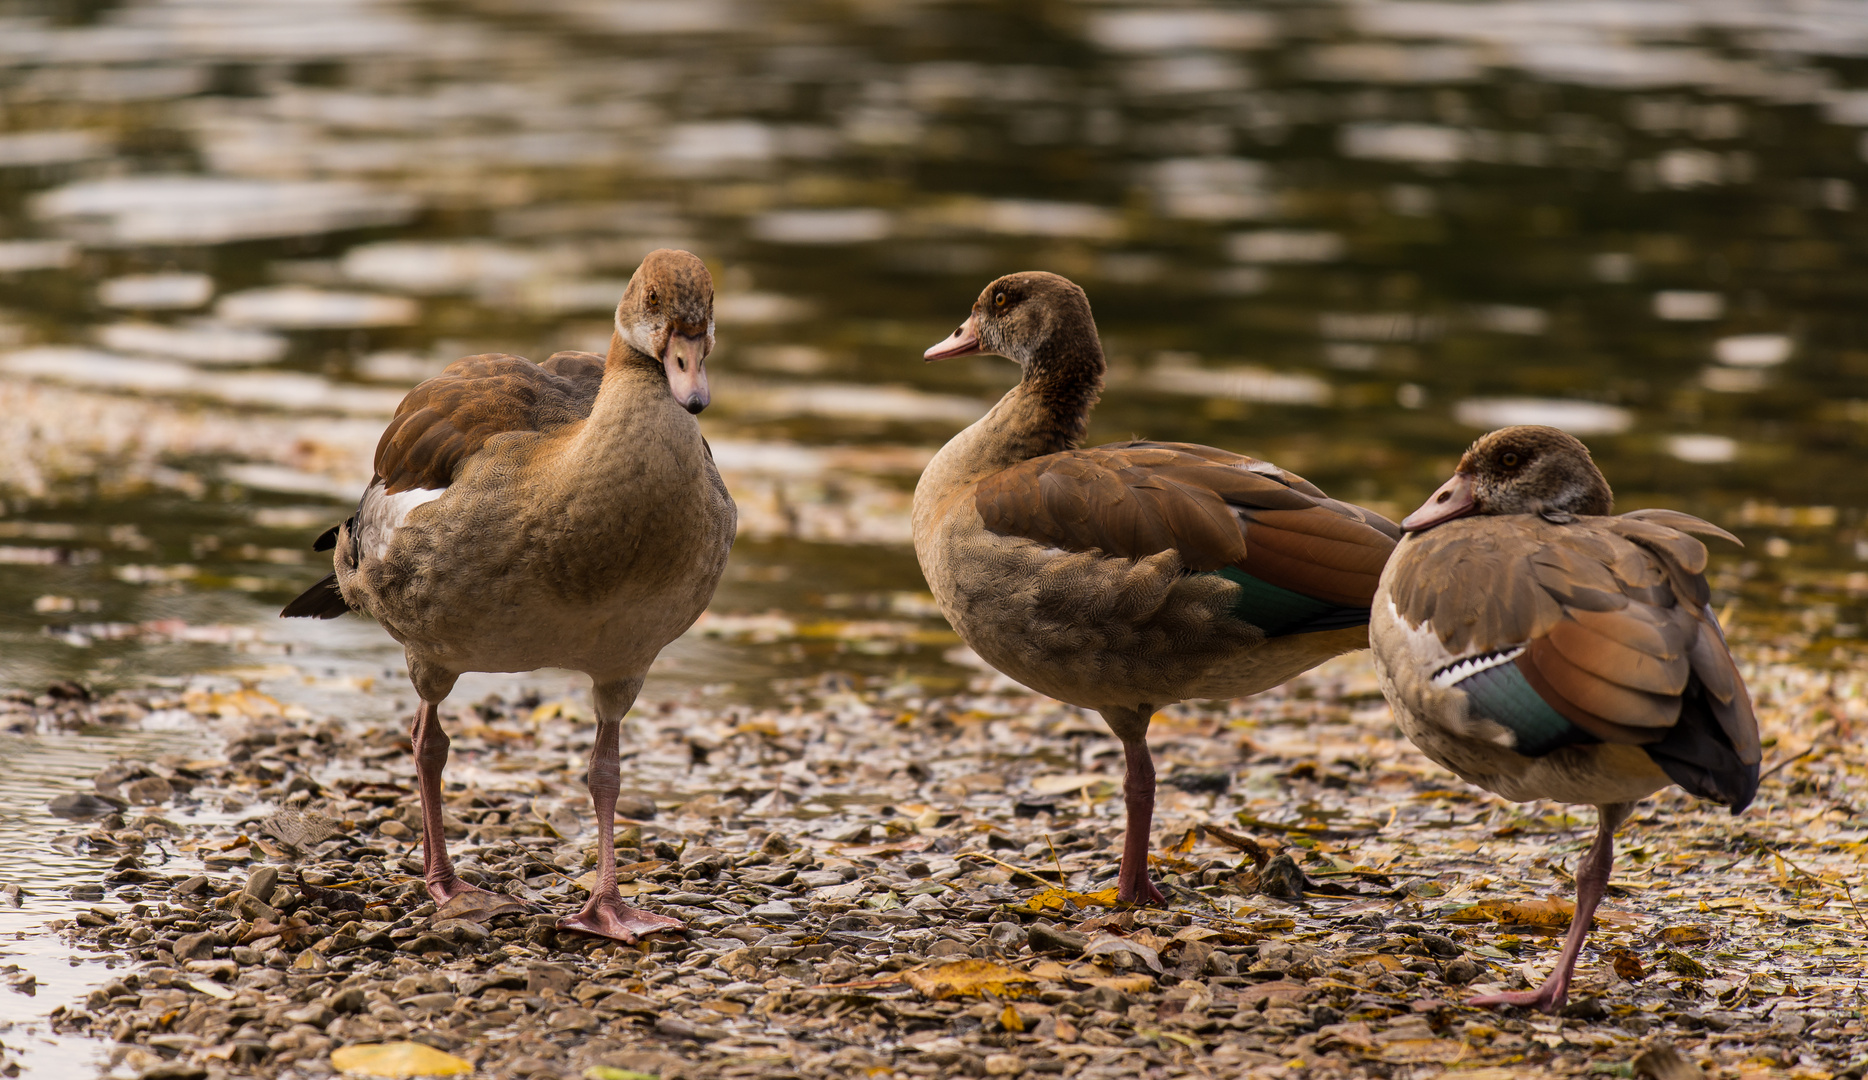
<point>195,946</point>
<point>262,883</point>
<point>776,911</point>
<point>1044,937</point>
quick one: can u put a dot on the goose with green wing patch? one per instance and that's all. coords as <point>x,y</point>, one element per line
<point>1543,648</point>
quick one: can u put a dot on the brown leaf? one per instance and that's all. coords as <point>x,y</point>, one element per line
<point>1690,934</point>
<point>1554,914</point>
<point>965,978</point>
<point>478,906</point>
<point>398,1059</point>
<point>1627,964</point>
<point>1661,1061</point>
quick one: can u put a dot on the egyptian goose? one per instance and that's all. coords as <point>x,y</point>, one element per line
<point>1127,577</point>
<point>1543,649</point>
<point>565,514</point>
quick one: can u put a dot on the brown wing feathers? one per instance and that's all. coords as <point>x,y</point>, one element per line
<point>1612,612</point>
<point>1214,508</point>
<point>444,421</point>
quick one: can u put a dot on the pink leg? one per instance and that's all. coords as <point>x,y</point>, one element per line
<point>1138,793</point>
<point>431,756</point>
<point>605,914</point>
<point>1592,880</point>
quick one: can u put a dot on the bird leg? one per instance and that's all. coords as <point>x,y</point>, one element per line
<point>605,914</point>
<point>431,755</point>
<point>1138,793</point>
<point>1592,881</point>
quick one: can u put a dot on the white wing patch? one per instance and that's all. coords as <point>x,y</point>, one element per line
<point>380,515</point>
<point>1460,670</point>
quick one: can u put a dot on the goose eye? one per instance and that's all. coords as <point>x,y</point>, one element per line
<point>1509,460</point>
<point>998,300</point>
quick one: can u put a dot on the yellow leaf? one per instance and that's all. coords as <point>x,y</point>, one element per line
<point>1555,914</point>
<point>248,703</point>
<point>1690,934</point>
<point>1065,900</point>
<point>397,1059</point>
<point>1128,984</point>
<point>1186,843</point>
<point>1010,1020</point>
<point>964,978</point>
<point>611,1072</point>
<point>565,707</point>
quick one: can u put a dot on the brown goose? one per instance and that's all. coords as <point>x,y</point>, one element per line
<point>564,514</point>
<point>1127,577</point>
<point>1543,649</point>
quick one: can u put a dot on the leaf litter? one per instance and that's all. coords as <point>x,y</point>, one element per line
<point>882,881</point>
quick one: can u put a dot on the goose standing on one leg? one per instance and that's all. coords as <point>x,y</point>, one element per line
<point>1128,577</point>
<point>1543,649</point>
<point>564,514</point>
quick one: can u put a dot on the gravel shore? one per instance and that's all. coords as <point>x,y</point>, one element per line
<point>878,882</point>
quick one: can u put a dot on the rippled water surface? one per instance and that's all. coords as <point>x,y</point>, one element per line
<point>1345,237</point>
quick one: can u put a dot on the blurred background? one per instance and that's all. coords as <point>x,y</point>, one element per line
<point>1347,237</point>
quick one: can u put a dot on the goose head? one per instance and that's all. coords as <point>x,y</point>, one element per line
<point>666,314</point>
<point>1519,470</point>
<point>1029,317</point>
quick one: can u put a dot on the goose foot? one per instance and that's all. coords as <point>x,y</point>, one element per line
<point>609,917</point>
<point>1138,889</point>
<point>1546,998</point>
<point>456,899</point>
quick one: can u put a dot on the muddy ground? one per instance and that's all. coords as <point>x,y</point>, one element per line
<point>879,882</point>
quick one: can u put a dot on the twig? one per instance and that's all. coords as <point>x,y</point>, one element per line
<point>1003,863</point>
<point>1055,861</point>
<point>1775,769</point>
<point>1858,911</point>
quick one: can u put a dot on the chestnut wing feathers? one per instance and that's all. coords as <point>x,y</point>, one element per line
<point>1611,615</point>
<point>444,421</point>
<point>1218,510</point>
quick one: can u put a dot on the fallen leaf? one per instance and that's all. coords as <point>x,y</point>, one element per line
<point>1681,964</point>
<point>611,1072</point>
<point>1662,1062</point>
<point>965,978</point>
<point>1137,983</point>
<point>1058,785</point>
<point>1110,945</point>
<point>1010,1020</point>
<point>1555,914</point>
<point>1627,964</point>
<point>1691,934</point>
<point>212,989</point>
<point>1064,899</point>
<point>1423,1051</point>
<point>397,1059</point>
<point>563,707</point>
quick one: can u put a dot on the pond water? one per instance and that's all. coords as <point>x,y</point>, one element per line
<point>1344,237</point>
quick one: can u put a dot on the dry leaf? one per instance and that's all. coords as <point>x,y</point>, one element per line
<point>1555,914</point>
<point>1627,964</point>
<point>1010,1020</point>
<point>1066,900</point>
<point>964,978</point>
<point>479,906</point>
<point>1112,944</point>
<point>1691,934</point>
<point>212,989</point>
<point>397,1059</point>
<point>611,1072</point>
<point>1058,785</point>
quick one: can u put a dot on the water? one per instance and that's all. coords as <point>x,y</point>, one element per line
<point>1345,237</point>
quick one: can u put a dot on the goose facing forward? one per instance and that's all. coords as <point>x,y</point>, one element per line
<point>1543,649</point>
<point>564,514</point>
<point>1128,577</point>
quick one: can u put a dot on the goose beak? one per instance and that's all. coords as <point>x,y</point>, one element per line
<point>962,342</point>
<point>685,360</point>
<point>1453,500</point>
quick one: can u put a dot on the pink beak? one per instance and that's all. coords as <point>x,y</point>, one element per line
<point>962,342</point>
<point>1453,500</point>
<point>685,360</point>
